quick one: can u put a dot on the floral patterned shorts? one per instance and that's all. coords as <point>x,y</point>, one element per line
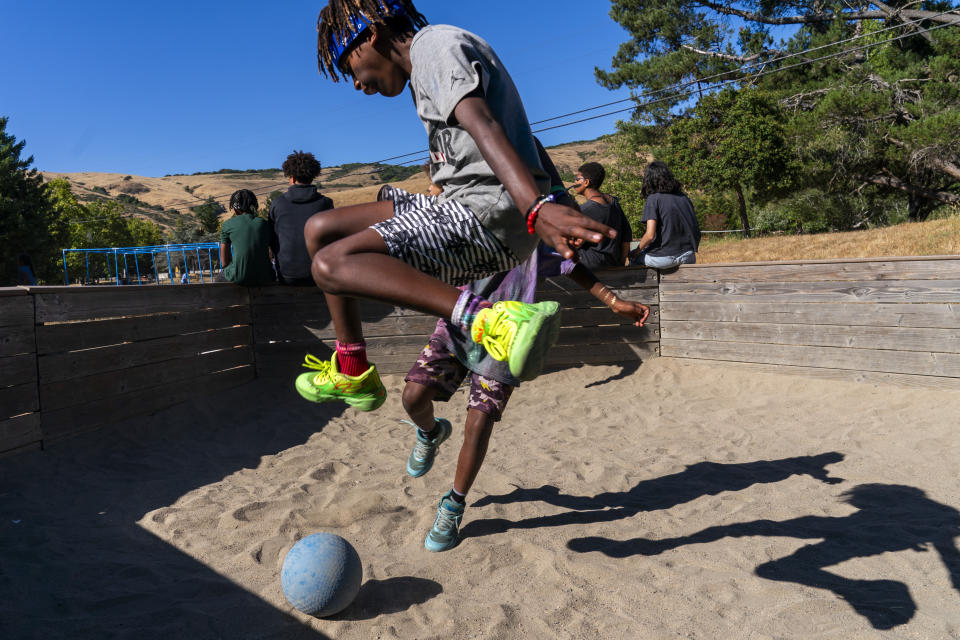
<point>439,369</point>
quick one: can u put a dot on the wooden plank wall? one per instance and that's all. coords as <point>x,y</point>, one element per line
<point>75,358</point>
<point>104,354</point>
<point>892,320</point>
<point>292,321</point>
<point>591,333</point>
<point>19,400</point>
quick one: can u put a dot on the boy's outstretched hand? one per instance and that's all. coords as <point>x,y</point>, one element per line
<point>631,310</point>
<point>565,229</point>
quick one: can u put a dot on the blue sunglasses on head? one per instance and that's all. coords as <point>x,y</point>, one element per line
<point>340,43</point>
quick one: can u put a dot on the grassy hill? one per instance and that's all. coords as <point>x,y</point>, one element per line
<point>157,199</point>
<point>931,238</point>
<point>163,199</point>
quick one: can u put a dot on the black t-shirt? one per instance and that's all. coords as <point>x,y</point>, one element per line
<point>607,253</point>
<point>288,215</point>
<point>677,227</point>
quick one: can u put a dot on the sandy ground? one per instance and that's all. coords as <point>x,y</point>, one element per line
<point>675,500</point>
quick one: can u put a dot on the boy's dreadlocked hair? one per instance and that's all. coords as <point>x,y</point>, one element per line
<point>337,23</point>
<point>244,201</point>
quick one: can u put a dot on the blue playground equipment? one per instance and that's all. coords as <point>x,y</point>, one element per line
<point>174,253</point>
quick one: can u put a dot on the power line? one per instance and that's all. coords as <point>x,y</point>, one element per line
<point>744,67</point>
<point>673,96</point>
<point>755,76</point>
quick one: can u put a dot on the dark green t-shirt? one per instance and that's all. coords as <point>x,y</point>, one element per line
<point>249,240</point>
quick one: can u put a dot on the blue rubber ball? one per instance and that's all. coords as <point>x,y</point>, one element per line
<point>321,574</point>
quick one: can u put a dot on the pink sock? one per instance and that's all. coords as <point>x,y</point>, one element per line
<point>352,358</point>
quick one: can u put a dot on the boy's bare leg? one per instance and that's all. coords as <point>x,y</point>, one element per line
<point>445,532</point>
<point>476,438</point>
<point>350,259</point>
<point>432,431</point>
<point>418,403</point>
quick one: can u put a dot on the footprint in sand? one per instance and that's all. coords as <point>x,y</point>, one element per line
<point>251,513</point>
<point>327,472</point>
<point>268,552</point>
<point>162,516</point>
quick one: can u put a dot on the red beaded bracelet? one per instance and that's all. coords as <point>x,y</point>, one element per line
<point>535,210</point>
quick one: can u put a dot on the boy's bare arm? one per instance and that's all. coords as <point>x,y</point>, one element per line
<point>225,254</point>
<point>626,308</point>
<point>560,227</point>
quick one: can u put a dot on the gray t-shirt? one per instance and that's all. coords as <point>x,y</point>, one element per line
<point>447,65</point>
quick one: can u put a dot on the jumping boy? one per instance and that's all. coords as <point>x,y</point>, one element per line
<point>450,355</point>
<point>447,359</point>
<point>411,253</point>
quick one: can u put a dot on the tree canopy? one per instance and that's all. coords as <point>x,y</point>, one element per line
<point>25,213</point>
<point>860,101</point>
<point>208,214</point>
<point>100,223</point>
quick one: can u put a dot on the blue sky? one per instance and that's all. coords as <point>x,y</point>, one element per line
<point>178,87</point>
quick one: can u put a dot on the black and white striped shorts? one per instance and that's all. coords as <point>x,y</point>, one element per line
<point>441,239</point>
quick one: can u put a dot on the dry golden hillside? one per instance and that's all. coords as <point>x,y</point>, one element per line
<point>356,184</point>
<point>351,185</point>
<point>931,238</point>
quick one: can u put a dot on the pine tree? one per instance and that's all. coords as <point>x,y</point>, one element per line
<point>25,213</point>
<point>867,125</point>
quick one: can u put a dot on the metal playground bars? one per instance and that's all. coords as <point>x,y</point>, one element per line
<point>177,251</point>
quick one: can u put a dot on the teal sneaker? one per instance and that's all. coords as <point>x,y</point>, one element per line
<point>445,533</point>
<point>425,450</point>
<point>519,333</point>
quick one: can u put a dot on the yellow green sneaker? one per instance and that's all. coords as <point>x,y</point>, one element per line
<point>325,384</point>
<point>519,333</point>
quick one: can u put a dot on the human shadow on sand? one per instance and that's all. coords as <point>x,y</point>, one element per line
<point>75,563</point>
<point>890,518</point>
<point>700,479</point>
<point>627,369</point>
<point>393,595</point>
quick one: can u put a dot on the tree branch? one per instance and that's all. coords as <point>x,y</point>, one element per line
<point>924,156</point>
<point>804,101</point>
<point>727,56</point>
<point>896,13</point>
<point>827,16</point>
<point>889,180</point>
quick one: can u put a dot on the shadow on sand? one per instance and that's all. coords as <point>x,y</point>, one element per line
<point>627,369</point>
<point>701,479</point>
<point>393,595</point>
<point>60,507</point>
<point>890,518</point>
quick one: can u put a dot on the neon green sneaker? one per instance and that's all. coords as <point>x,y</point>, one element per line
<point>518,332</point>
<point>364,392</point>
